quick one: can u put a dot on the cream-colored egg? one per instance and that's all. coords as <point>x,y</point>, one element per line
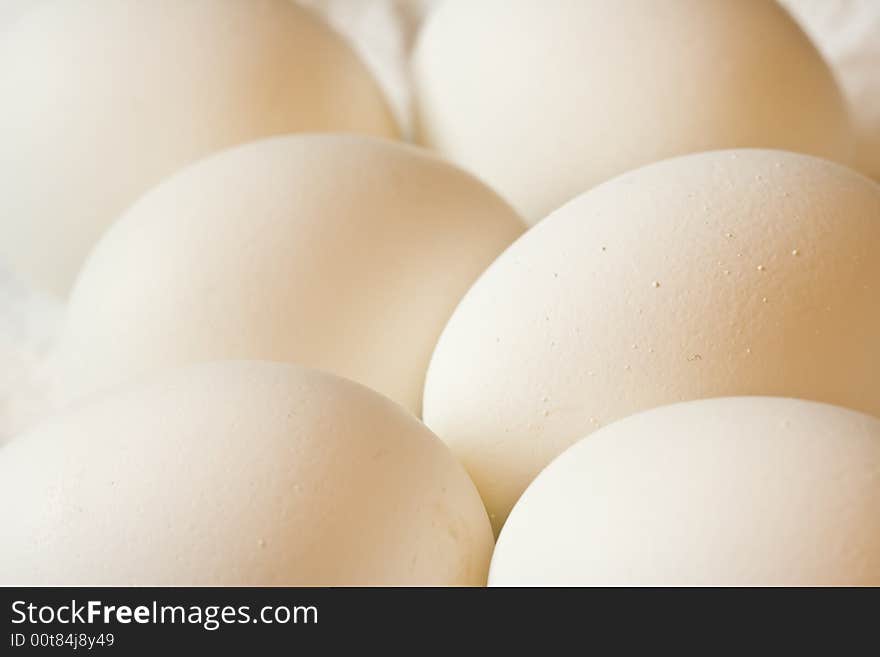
<point>12,10</point>
<point>240,473</point>
<point>744,491</point>
<point>746,272</point>
<point>343,253</point>
<point>102,100</point>
<point>544,100</point>
<point>847,33</point>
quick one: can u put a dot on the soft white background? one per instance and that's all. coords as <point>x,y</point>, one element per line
<point>383,31</point>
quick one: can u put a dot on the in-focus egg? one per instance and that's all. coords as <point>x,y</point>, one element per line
<point>238,474</point>
<point>544,100</point>
<point>346,254</point>
<point>747,272</point>
<point>748,491</point>
<point>102,100</point>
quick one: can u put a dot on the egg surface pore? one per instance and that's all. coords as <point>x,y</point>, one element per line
<point>238,474</point>
<point>750,491</point>
<point>748,272</point>
<point>103,99</point>
<point>342,253</point>
<point>583,90</point>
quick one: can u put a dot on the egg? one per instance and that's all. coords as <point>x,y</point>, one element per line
<point>103,100</point>
<point>12,10</point>
<point>342,253</point>
<point>240,473</point>
<point>847,33</point>
<point>544,100</point>
<point>743,272</point>
<point>750,491</point>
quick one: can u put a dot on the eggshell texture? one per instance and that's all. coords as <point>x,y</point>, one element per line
<point>342,253</point>
<point>239,474</point>
<point>104,99</point>
<point>745,272</point>
<point>583,90</point>
<point>748,491</point>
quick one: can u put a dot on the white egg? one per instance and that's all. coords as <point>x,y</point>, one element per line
<point>745,491</point>
<point>238,474</point>
<point>847,33</point>
<point>104,99</point>
<point>12,10</point>
<point>544,100</point>
<point>745,272</point>
<point>342,253</point>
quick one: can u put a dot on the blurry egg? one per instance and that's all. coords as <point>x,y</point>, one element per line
<point>343,253</point>
<point>104,99</point>
<point>12,10</point>
<point>745,491</point>
<point>239,474</point>
<point>544,100</point>
<point>747,272</point>
<point>847,33</point>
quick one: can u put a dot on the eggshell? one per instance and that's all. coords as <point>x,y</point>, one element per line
<point>342,253</point>
<point>747,272</point>
<point>847,33</point>
<point>747,491</point>
<point>239,474</point>
<point>12,10</point>
<point>102,100</point>
<point>544,100</point>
